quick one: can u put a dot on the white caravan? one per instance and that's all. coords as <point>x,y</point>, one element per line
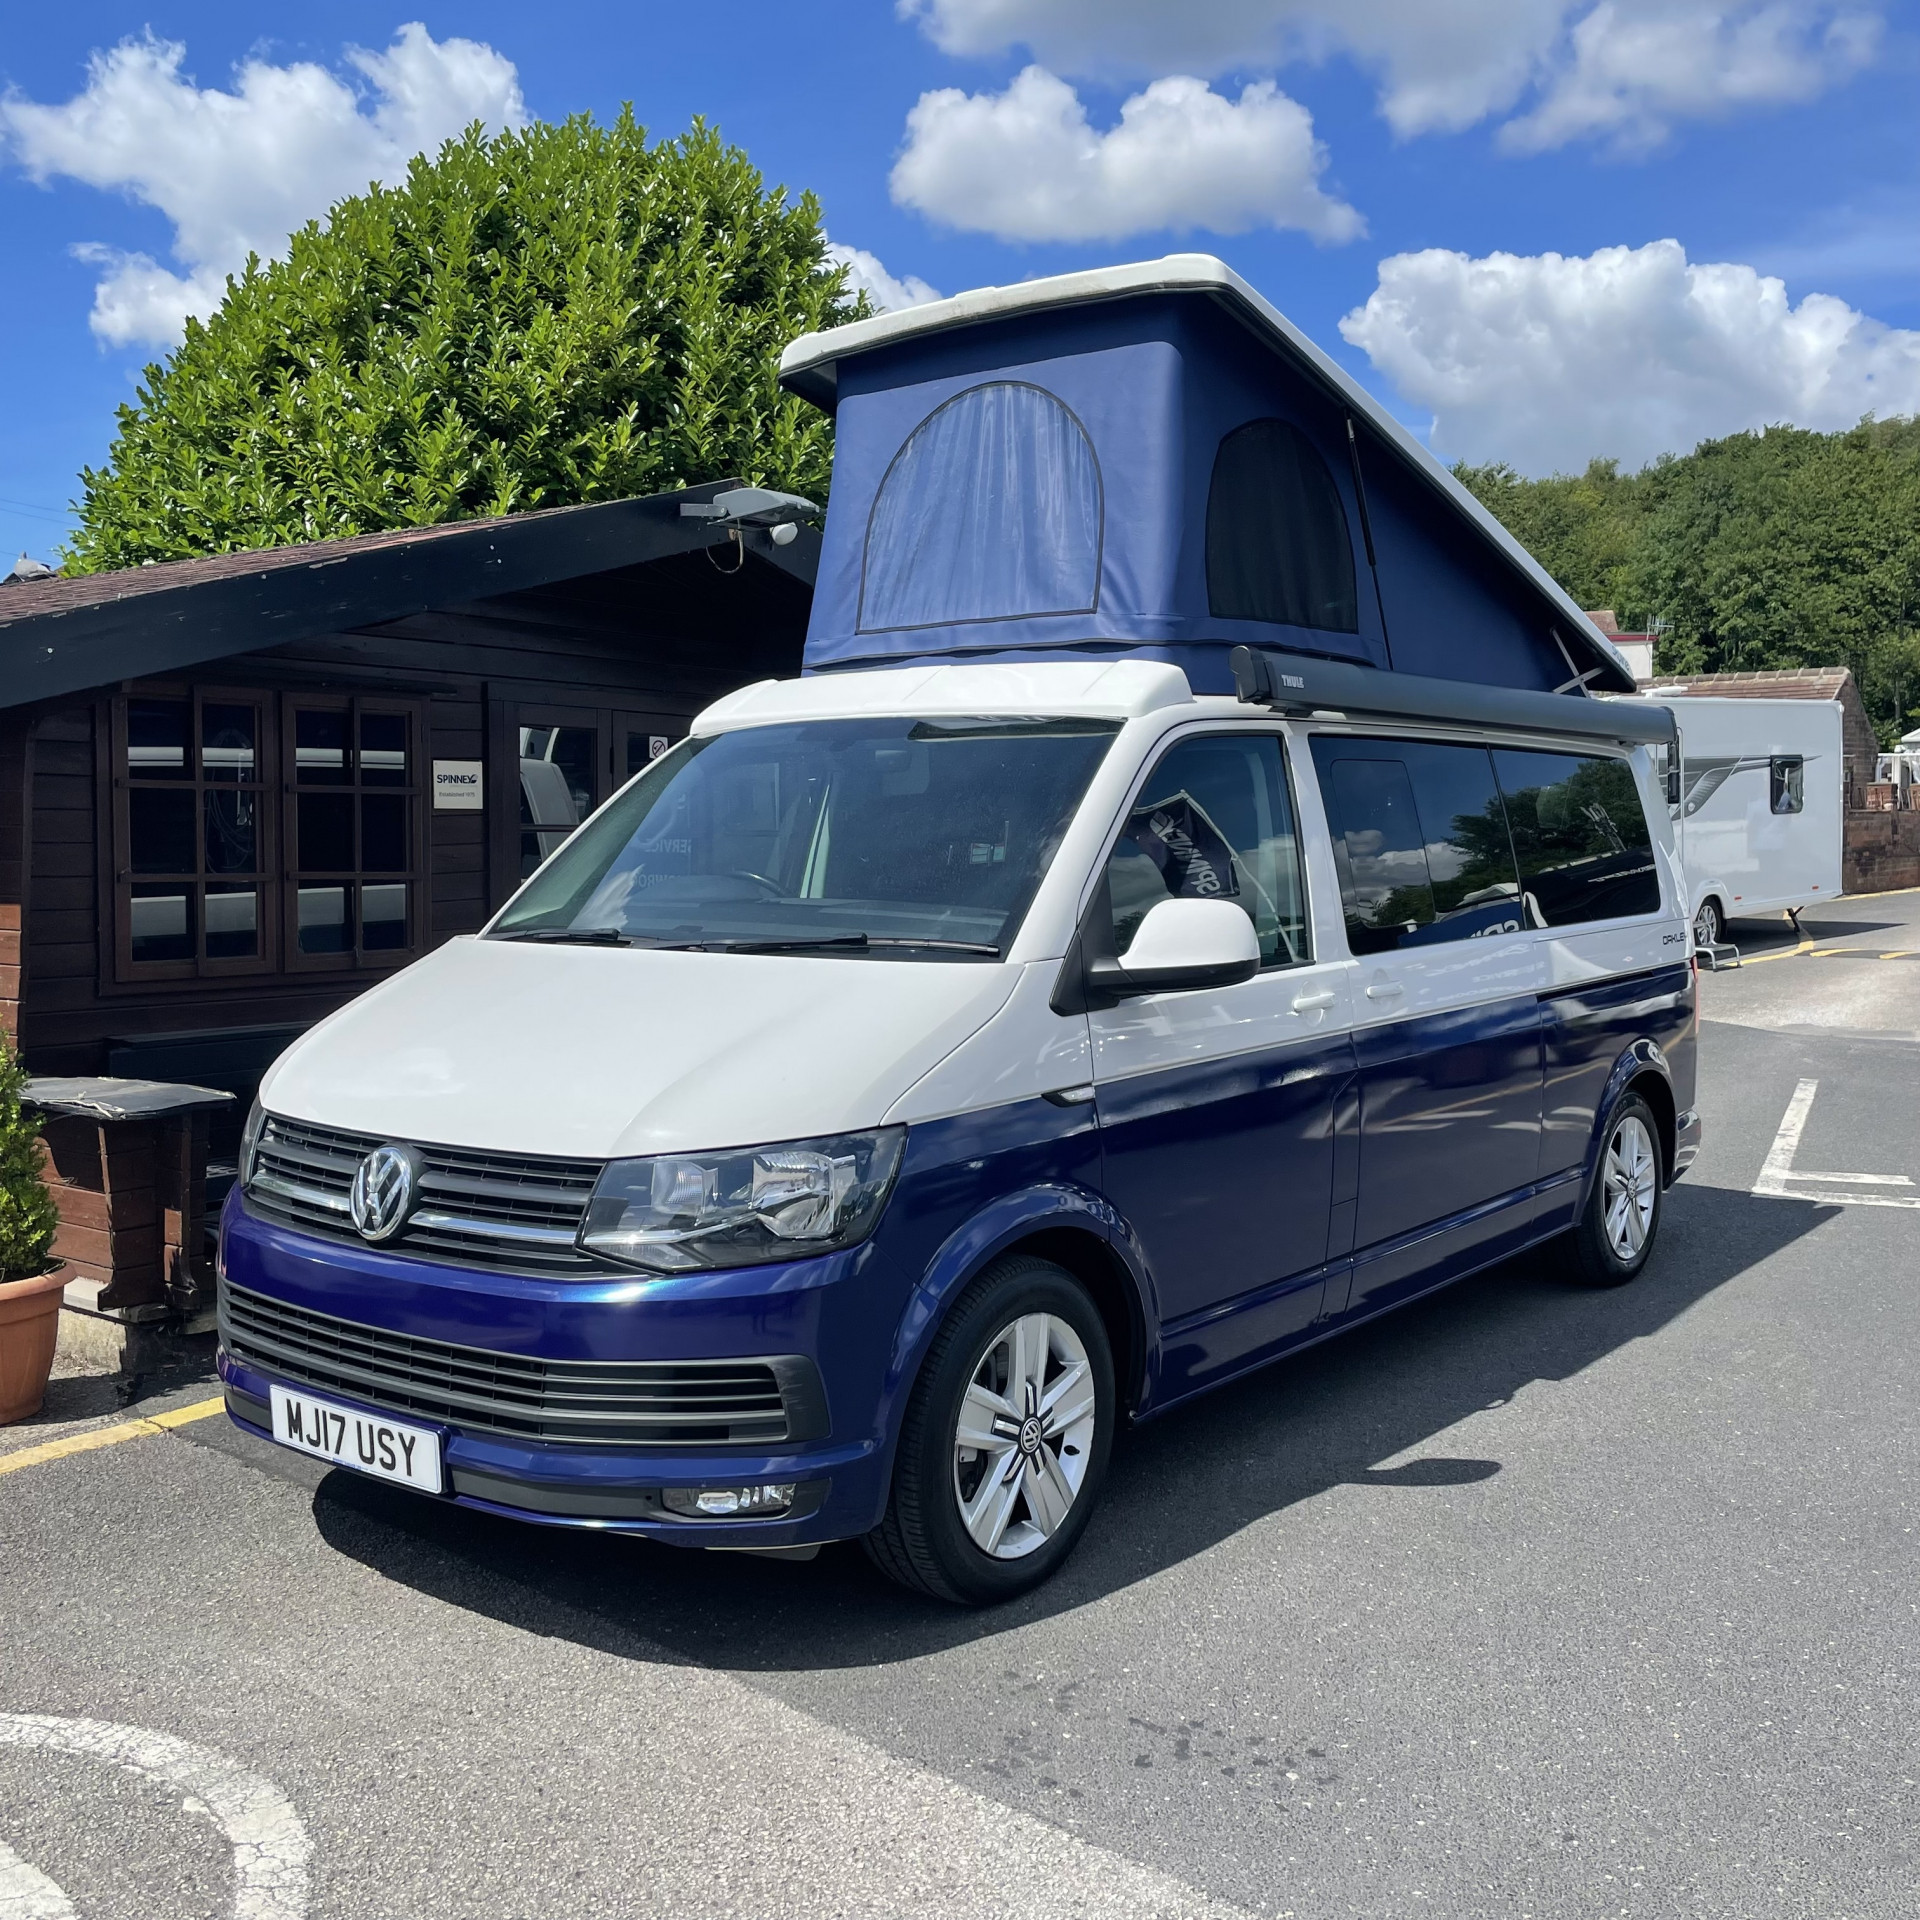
<point>1760,809</point>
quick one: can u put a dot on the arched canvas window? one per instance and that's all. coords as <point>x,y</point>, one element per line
<point>991,511</point>
<point>1277,542</point>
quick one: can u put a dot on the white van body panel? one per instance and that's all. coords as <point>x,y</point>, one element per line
<point>1024,1052</point>
<point>604,1052</point>
<point>1733,846</point>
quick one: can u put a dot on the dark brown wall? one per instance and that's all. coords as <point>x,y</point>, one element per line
<point>659,642</point>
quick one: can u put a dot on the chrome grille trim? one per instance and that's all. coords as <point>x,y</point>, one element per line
<point>516,1212</point>
<point>571,1402</point>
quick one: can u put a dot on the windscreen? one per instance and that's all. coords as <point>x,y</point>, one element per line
<point>912,838</point>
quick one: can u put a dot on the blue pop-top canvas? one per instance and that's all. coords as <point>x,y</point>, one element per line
<point>1097,430</point>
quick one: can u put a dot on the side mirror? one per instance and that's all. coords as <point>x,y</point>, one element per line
<point>1182,945</point>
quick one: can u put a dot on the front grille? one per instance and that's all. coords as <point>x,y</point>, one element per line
<point>500,1210</point>
<point>581,1402</point>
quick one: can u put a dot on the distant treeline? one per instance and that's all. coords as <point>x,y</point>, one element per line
<point>1775,549</point>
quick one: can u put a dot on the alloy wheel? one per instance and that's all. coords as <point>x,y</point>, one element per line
<point>1631,1177</point>
<point>1024,1436</point>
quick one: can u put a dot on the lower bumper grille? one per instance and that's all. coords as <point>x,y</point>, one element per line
<point>767,1402</point>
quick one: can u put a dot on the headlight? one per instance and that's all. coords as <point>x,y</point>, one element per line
<point>249,1142</point>
<point>680,1211</point>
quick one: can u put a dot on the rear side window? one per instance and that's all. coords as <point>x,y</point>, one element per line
<point>1420,840</point>
<point>1215,821</point>
<point>1580,835</point>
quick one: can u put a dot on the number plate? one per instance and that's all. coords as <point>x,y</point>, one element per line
<point>366,1442</point>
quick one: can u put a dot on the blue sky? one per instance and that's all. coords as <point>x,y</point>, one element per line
<point>1477,200</point>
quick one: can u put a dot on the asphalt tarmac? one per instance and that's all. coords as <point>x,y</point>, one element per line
<point>1527,1601</point>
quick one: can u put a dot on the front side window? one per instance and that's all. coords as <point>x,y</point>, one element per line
<point>1788,783</point>
<point>908,838</point>
<point>991,511</point>
<point>1278,548</point>
<point>1581,836</point>
<point>1420,840</point>
<point>1215,821</point>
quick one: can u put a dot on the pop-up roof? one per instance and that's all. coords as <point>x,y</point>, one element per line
<point>1152,459</point>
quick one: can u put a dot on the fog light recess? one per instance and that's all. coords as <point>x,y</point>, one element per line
<point>729,1503</point>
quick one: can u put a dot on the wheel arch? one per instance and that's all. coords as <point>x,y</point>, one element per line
<point>1076,1230</point>
<point>1641,1069</point>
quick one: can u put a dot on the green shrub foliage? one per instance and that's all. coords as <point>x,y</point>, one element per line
<point>27,1213</point>
<point>1775,549</point>
<point>558,314</point>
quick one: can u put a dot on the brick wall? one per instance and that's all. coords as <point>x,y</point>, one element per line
<point>1880,851</point>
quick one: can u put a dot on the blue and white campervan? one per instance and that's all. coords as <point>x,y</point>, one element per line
<point>1193,901</point>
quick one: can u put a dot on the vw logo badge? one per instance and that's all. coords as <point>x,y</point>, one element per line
<point>383,1187</point>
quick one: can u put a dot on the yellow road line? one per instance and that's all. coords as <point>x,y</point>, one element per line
<point>1786,953</point>
<point>135,1429</point>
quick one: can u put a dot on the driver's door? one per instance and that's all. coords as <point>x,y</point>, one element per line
<point>1216,1106</point>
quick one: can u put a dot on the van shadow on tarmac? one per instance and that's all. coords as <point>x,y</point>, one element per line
<point>1179,1485</point>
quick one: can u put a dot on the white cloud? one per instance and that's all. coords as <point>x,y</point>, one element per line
<point>865,274</point>
<point>237,172</point>
<point>1547,361</point>
<point>1623,70</point>
<point>1027,164</point>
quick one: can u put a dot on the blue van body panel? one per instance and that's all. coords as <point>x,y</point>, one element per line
<point>1224,1170</point>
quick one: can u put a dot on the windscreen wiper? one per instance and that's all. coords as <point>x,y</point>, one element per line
<point>815,942</point>
<point>772,943</point>
<point>572,936</point>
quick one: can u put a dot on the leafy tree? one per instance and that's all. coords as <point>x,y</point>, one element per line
<point>1777,549</point>
<point>559,314</point>
<point>28,1216</point>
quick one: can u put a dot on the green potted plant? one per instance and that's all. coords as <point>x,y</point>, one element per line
<point>30,1288</point>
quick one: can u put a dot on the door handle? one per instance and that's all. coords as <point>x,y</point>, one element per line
<point>1313,1002</point>
<point>1385,990</point>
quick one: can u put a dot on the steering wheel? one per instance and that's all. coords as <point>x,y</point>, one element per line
<point>760,880</point>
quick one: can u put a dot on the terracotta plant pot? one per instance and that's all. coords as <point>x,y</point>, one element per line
<point>29,1327</point>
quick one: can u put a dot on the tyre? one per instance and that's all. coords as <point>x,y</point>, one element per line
<point>1708,926</point>
<point>1005,1441</point>
<point>1622,1215</point>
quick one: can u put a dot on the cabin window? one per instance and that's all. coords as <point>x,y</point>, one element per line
<point>255,832</point>
<point>991,511</point>
<point>1278,548</point>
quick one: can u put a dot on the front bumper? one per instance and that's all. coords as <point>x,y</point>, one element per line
<point>825,1309</point>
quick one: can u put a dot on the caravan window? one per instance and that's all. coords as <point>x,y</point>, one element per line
<point>1788,784</point>
<point>991,511</point>
<point>1278,548</point>
<point>1215,822</point>
<point>1581,837</point>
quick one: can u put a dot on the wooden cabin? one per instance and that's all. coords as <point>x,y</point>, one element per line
<point>236,791</point>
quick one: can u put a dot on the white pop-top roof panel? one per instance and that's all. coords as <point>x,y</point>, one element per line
<point>1114,690</point>
<point>809,366</point>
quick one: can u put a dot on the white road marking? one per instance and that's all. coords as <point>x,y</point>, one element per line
<point>26,1893</point>
<point>1786,1143</point>
<point>270,1846</point>
<point>1777,1169</point>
